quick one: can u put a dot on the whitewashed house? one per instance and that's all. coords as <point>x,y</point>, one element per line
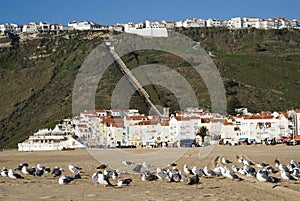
<point>84,25</point>
<point>267,24</point>
<point>251,22</point>
<point>182,128</point>
<point>10,27</point>
<point>31,27</point>
<point>194,22</point>
<point>56,27</point>
<point>235,23</point>
<point>154,24</point>
<point>212,22</point>
<point>44,26</point>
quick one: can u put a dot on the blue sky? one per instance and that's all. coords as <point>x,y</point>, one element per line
<point>112,11</point>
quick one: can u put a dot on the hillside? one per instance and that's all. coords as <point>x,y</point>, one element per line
<point>260,69</point>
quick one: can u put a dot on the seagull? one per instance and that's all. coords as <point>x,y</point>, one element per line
<point>187,170</point>
<point>262,176</point>
<point>162,173</point>
<point>40,167</point>
<point>127,163</point>
<point>286,175</point>
<point>102,166</point>
<point>225,161</point>
<point>234,168</point>
<point>239,159</point>
<point>137,168</point>
<point>13,175</point>
<point>283,168</point>
<point>103,180</point>
<point>20,166</point>
<point>74,169</point>
<point>39,172</point>
<point>120,171</point>
<point>247,162</point>
<point>26,170</point>
<point>261,165</point>
<point>208,172</point>
<point>4,172</point>
<point>147,165</point>
<point>111,174</point>
<point>217,170</point>
<point>193,180</point>
<point>197,171</point>
<point>57,171</point>
<point>124,182</point>
<point>47,170</point>
<point>148,177</point>
<point>276,161</point>
<point>65,179</point>
<point>228,174</point>
<point>295,163</point>
<point>95,178</point>
<point>172,164</point>
<point>250,171</point>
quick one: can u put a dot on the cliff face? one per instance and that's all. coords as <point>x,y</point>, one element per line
<point>260,70</point>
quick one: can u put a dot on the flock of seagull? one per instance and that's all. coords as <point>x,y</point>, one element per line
<point>223,168</point>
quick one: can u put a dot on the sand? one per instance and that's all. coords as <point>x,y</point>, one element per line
<point>47,187</point>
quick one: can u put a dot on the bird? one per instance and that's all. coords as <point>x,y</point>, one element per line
<point>208,172</point>
<point>234,168</point>
<point>124,182</point>
<point>77,176</point>
<point>104,180</point>
<point>148,177</point>
<point>187,170</point>
<point>247,162</point>
<point>65,179</point>
<point>137,168</point>
<point>239,159</point>
<point>225,161</point>
<point>111,174</point>
<point>146,165</point>
<point>95,178</point>
<point>47,170</point>
<point>276,161</point>
<point>261,165</point>
<point>102,166</point>
<point>40,167</point>
<point>250,171</point>
<point>121,171</point>
<point>127,163</point>
<point>74,169</point>
<point>197,171</point>
<point>262,176</point>
<point>286,175</point>
<point>172,164</point>
<point>162,173</point>
<point>39,172</point>
<point>13,175</point>
<point>20,166</point>
<point>217,170</point>
<point>26,170</point>
<point>57,171</point>
<point>193,180</point>
<point>4,172</point>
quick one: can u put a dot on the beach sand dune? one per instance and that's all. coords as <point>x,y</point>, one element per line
<point>47,187</point>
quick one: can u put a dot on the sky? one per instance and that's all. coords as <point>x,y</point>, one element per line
<point>110,12</point>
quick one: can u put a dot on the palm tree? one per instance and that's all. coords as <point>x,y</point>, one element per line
<point>202,132</point>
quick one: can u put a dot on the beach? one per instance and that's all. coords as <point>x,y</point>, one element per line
<point>218,188</point>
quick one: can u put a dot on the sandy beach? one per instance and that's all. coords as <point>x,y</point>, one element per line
<point>220,188</point>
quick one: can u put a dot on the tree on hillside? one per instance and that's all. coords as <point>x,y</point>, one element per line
<point>202,132</point>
